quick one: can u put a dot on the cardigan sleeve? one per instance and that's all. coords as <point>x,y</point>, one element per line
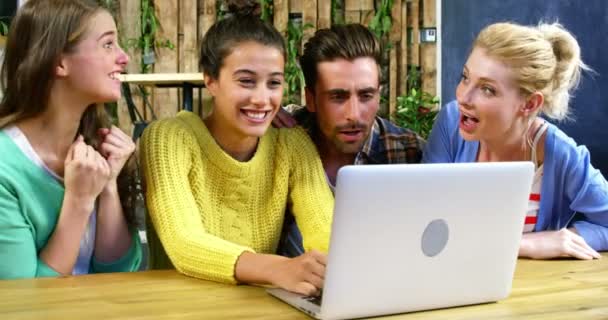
<point>18,255</point>
<point>587,191</point>
<point>312,200</point>
<point>439,148</point>
<point>167,148</point>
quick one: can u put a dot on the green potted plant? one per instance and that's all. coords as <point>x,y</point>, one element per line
<point>416,110</point>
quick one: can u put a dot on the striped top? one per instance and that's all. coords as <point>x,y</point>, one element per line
<point>534,200</point>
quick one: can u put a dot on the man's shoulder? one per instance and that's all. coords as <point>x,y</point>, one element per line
<point>385,129</point>
<point>393,144</point>
<point>303,117</point>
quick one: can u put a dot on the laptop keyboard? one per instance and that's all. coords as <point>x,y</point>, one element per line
<point>315,300</point>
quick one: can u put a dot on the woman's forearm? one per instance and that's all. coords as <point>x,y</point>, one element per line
<point>61,251</point>
<point>112,238</point>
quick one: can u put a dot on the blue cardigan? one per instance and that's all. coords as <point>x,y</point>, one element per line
<point>573,192</point>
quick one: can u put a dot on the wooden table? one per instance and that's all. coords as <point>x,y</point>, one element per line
<point>186,81</point>
<point>561,289</point>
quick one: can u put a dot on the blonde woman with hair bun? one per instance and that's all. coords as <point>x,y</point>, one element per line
<point>514,75</point>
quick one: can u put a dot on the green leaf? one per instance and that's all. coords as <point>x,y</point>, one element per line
<point>386,24</point>
<point>3,28</point>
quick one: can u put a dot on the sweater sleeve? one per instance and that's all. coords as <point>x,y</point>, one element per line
<point>311,198</point>
<point>18,254</point>
<point>439,146</point>
<point>167,148</point>
<point>587,191</point>
<point>129,262</point>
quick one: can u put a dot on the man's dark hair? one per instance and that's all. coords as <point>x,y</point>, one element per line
<point>347,41</point>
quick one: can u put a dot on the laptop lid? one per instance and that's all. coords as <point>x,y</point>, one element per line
<point>417,237</point>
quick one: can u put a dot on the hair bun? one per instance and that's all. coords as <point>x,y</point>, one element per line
<point>244,8</point>
<point>565,46</point>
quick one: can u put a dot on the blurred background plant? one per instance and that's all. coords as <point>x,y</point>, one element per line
<point>416,109</point>
<point>294,77</point>
<point>3,28</point>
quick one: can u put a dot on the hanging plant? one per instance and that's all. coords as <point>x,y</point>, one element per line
<point>337,11</point>
<point>267,9</point>
<point>294,78</point>
<point>416,110</point>
<point>3,28</point>
<point>382,21</point>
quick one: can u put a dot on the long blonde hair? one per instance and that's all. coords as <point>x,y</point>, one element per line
<point>545,58</point>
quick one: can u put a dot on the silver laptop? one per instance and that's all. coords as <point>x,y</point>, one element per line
<point>418,237</point>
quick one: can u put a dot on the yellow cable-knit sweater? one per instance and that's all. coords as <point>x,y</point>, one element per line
<point>207,208</point>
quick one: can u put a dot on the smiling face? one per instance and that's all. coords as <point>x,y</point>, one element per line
<point>91,68</point>
<point>248,91</point>
<point>491,104</point>
<point>346,99</point>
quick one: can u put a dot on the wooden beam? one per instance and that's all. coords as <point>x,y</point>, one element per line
<point>352,16</point>
<point>403,45</point>
<point>163,78</point>
<point>324,14</point>
<point>166,101</point>
<point>281,15</point>
<point>188,36</point>
<point>367,16</point>
<point>392,82</point>
<point>309,16</point>
<point>188,48</point>
<point>130,28</point>
<point>359,5</point>
<point>415,20</point>
<point>395,33</point>
<point>296,5</point>
<point>206,16</point>
<point>428,51</point>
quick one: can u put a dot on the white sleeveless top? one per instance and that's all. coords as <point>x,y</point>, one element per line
<point>534,201</point>
<point>87,243</point>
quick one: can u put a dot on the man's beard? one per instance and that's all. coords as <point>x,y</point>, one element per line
<point>350,147</point>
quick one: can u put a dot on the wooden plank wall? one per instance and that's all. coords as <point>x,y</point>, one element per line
<point>184,23</point>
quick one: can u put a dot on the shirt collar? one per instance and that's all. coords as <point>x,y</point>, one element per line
<point>370,150</point>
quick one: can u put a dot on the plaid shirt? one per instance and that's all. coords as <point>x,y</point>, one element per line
<point>386,144</point>
<point>389,144</point>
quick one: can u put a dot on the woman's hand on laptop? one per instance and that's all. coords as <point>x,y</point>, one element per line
<point>303,274</point>
<point>556,244</point>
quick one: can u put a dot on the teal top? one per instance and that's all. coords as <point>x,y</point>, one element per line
<point>30,203</point>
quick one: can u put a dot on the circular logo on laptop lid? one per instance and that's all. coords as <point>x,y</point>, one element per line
<point>435,237</point>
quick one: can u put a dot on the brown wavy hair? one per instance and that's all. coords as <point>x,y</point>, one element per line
<point>40,33</point>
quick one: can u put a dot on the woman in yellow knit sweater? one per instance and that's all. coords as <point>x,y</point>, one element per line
<point>217,188</point>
